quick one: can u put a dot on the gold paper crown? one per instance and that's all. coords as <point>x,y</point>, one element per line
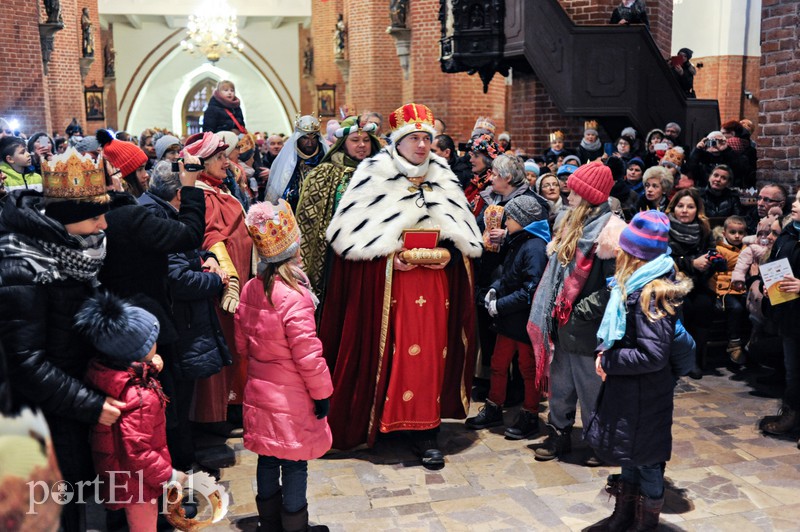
<point>70,175</point>
<point>274,230</point>
<point>306,123</point>
<point>590,124</point>
<point>556,135</point>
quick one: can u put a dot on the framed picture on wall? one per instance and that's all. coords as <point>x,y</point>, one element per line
<point>326,100</point>
<point>93,98</point>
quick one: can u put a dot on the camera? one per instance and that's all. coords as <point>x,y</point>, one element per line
<point>712,143</point>
<point>717,262</point>
<point>189,167</point>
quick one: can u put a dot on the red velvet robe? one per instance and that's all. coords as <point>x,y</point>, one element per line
<point>357,336</point>
<point>225,223</point>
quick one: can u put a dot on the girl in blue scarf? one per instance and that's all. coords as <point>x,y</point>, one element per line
<point>631,425</point>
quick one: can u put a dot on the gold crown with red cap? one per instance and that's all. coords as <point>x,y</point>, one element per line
<point>411,118</point>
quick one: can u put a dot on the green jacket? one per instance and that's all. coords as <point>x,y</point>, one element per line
<point>15,180</point>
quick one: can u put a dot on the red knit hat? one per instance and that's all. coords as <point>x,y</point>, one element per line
<point>124,156</point>
<point>592,182</point>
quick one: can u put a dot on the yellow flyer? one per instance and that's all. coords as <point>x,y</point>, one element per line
<point>773,273</point>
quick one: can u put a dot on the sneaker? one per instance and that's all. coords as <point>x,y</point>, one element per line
<point>735,352</point>
<point>490,415</point>
<point>592,460</point>
<point>525,426</point>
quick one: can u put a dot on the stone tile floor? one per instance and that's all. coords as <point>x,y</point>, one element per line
<point>724,475</point>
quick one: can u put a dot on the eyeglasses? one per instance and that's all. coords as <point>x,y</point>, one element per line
<point>768,200</point>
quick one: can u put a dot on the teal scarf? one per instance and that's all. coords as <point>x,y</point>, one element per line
<point>612,328</point>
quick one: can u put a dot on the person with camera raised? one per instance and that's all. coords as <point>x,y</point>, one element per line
<point>690,242</point>
<point>710,152</point>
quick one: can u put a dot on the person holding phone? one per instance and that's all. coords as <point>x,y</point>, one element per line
<point>40,146</point>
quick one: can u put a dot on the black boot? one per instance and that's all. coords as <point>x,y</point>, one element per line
<point>624,508</point>
<point>786,421</point>
<point>298,521</point>
<point>269,513</point>
<point>429,453</point>
<point>558,443</point>
<point>525,426</point>
<point>490,415</point>
<point>647,513</point>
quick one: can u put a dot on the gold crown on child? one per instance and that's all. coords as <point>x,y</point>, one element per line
<point>274,230</point>
<point>70,175</point>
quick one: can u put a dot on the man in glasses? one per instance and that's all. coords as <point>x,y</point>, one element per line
<point>770,195</point>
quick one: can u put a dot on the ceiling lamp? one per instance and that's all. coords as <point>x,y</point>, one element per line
<point>212,32</point>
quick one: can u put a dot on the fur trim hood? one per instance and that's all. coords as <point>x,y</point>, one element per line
<point>381,202</point>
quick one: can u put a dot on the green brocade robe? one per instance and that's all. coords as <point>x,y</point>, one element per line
<point>322,190</point>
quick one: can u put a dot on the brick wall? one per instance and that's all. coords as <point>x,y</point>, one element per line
<point>65,86</point>
<point>96,73</point>
<point>323,22</point>
<point>24,94</point>
<point>596,12</point>
<point>779,106</point>
<point>725,78</point>
<point>457,98</point>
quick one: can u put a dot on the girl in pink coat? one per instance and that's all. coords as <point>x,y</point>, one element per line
<point>288,384</point>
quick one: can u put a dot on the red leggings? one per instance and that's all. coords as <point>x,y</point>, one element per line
<point>504,350</point>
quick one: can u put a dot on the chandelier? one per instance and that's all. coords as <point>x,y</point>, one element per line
<point>212,32</point>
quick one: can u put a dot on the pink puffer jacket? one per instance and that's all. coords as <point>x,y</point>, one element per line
<point>285,372</point>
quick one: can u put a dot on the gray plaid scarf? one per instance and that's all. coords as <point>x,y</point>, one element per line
<point>54,262</point>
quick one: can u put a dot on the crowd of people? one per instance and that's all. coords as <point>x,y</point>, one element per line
<point>320,290</point>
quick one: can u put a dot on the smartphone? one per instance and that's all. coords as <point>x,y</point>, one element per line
<point>43,142</point>
<point>608,147</point>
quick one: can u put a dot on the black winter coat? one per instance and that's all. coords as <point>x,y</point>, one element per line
<point>139,239</point>
<point>721,205</point>
<point>684,254</point>
<point>702,162</point>
<point>524,262</point>
<point>632,422</point>
<point>201,350</point>
<point>216,119</point>
<point>786,315</point>
<point>46,357</point>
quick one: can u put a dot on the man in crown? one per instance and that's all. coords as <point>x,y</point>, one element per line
<point>300,154</point>
<point>398,332</point>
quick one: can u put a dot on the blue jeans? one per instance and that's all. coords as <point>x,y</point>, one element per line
<point>649,478</point>
<point>272,474</point>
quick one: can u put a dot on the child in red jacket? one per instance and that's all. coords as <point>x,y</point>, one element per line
<point>288,382</point>
<point>131,456</point>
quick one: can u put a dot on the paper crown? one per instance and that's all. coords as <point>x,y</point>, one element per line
<point>411,118</point>
<point>247,142</point>
<point>70,175</point>
<point>590,125</point>
<point>556,135</point>
<point>484,125</point>
<point>306,124</point>
<point>273,230</point>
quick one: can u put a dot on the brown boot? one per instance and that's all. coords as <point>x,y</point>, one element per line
<point>647,513</point>
<point>269,513</point>
<point>298,521</point>
<point>786,421</point>
<point>624,508</point>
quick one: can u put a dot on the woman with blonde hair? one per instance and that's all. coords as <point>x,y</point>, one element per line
<point>568,304</point>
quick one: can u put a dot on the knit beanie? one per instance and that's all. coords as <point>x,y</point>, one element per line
<point>124,156</point>
<point>121,332</point>
<point>592,182</point>
<point>87,144</point>
<point>525,210</point>
<point>531,166</point>
<point>163,144</point>
<point>572,159</point>
<point>647,236</point>
<point>230,138</point>
<point>638,162</point>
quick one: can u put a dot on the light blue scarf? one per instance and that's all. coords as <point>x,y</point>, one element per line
<point>612,328</point>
